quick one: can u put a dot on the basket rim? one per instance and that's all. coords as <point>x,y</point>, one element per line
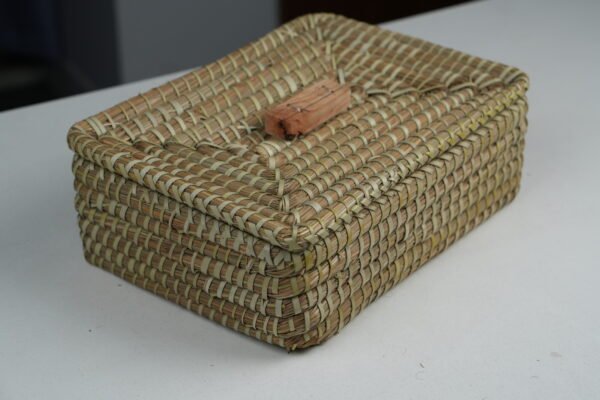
<point>269,174</point>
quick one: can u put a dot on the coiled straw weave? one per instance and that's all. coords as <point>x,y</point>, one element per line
<point>179,190</point>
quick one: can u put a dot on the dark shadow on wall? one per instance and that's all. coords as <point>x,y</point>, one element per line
<point>371,11</point>
<point>55,48</point>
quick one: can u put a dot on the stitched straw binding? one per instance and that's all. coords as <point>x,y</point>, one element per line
<point>181,192</point>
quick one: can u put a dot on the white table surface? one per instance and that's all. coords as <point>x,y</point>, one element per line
<point>511,311</point>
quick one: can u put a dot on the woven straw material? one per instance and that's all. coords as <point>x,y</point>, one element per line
<point>181,192</point>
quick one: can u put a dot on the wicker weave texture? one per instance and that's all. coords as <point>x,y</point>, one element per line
<point>180,191</point>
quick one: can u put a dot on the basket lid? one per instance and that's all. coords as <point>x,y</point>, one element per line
<point>200,139</point>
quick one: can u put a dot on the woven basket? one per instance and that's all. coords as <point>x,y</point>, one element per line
<point>181,192</point>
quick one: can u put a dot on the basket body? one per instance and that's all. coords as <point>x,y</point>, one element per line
<point>179,190</point>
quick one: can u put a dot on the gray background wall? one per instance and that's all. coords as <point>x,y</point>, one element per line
<point>154,39</point>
